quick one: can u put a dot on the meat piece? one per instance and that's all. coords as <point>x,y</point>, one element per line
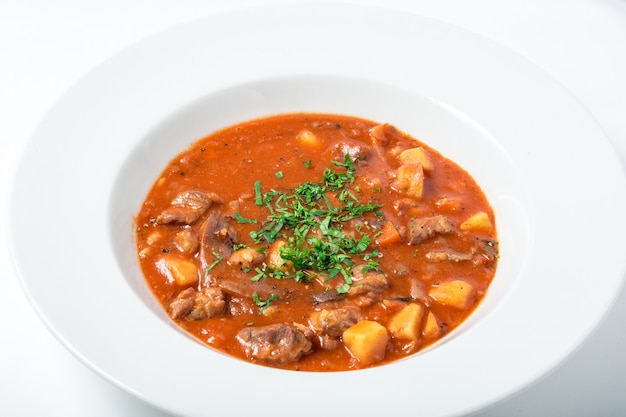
<point>424,228</point>
<point>197,304</point>
<point>182,305</point>
<point>217,237</point>
<point>186,241</point>
<point>380,135</point>
<point>405,205</point>
<point>357,150</point>
<point>207,303</point>
<point>333,322</point>
<point>246,288</point>
<point>246,257</point>
<point>326,295</point>
<point>187,207</point>
<point>366,287</point>
<point>449,255</point>
<point>276,343</point>
<point>418,291</point>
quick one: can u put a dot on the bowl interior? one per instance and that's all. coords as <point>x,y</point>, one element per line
<point>439,125</point>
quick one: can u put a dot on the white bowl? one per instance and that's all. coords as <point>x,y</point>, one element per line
<point>543,162</point>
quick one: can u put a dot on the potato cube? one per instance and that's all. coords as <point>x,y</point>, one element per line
<point>308,138</point>
<point>416,156</point>
<point>181,271</point>
<point>273,256</point>
<point>367,341</point>
<point>410,180</point>
<point>479,222</point>
<point>456,293</point>
<point>431,328</point>
<point>407,323</point>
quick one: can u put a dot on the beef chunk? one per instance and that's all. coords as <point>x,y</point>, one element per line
<point>182,305</point>
<point>424,228</point>
<point>329,324</point>
<point>367,286</point>
<point>186,241</point>
<point>197,304</point>
<point>187,207</point>
<point>217,236</point>
<point>333,322</point>
<point>449,255</point>
<point>276,344</point>
<point>207,303</point>
<point>357,150</point>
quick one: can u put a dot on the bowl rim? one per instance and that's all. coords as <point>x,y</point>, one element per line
<point>490,86</point>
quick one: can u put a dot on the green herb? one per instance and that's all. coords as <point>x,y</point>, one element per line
<point>264,304</point>
<point>313,228</point>
<point>258,199</point>
<point>307,164</point>
<point>217,260</point>
<point>279,174</point>
<point>241,219</point>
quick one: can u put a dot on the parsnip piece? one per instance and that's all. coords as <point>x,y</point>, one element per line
<point>181,271</point>
<point>367,341</point>
<point>407,323</point>
<point>431,327</point>
<point>410,180</point>
<point>479,222</point>
<point>456,293</point>
<point>416,156</point>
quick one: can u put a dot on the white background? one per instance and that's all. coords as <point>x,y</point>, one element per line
<point>46,46</point>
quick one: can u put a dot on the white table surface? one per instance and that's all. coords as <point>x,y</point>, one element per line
<point>46,46</point>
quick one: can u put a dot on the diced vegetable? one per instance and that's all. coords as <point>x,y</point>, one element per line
<point>367,341</point>
<point>308,138</point>
<point>449,205</point>
<point>416,156</point>
<point>181,271</point>
<point>389,234</point>
<point>274,259</point>
<point>407,323</point>
<point>410,180</point>
<point>431,327</point>
<point>456,293</point>
<point>479,222</point>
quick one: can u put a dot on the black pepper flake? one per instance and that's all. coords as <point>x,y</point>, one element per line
<point>166,250</point>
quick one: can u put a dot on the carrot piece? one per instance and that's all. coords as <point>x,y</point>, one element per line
<point>388,234</point>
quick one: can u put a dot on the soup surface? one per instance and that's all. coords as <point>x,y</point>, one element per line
<point>316,242</point>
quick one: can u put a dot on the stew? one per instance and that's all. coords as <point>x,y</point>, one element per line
<point>316,242</point>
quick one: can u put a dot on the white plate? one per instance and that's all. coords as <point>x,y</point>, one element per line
<point>557,188</point>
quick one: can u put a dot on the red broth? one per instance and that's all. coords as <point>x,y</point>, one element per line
<point>316,242</point>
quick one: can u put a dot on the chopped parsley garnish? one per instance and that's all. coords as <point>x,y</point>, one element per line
<point>313,227</point>
<point>240,219</point>
<point>217,260</point>
<point>264,304</point>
